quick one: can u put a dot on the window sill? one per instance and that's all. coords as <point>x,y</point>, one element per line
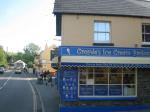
<point>108,98</point>
<point>145,44</point>
<point>103,44</point>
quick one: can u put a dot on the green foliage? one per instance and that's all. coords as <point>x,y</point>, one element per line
<point>31,49</point>
<point>29,53</point>
<point>27,56</point>
<point>3,57</point>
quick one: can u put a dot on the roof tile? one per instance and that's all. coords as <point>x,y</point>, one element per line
<point>138,8</point>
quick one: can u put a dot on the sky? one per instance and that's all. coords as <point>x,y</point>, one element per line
<point>26,21</point>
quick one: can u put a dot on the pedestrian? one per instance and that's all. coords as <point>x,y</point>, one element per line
<point>47,74</point>
<point>33,70</point>
<point>44,75</point>
<point>50,79</point>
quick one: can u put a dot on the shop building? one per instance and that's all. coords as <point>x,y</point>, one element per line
<point>104,60</point>
<point>42,60</point>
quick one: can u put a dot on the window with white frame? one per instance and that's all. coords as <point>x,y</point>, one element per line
<point>146,33</point>
<point>108,82</point>
<point>101,32</point>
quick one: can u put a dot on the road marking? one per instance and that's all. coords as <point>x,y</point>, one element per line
<point>34,97</point>
<point>42,104</point>
<point>5,83</point>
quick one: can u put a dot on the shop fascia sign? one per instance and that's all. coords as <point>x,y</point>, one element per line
<point>103,51</point>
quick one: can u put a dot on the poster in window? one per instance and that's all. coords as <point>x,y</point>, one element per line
<point>69,85</point>
<point>101,90</point>
<point>115,90</point>
<point>86,90</point>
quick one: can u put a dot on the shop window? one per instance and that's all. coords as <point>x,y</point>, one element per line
<point>101,82</point>
<point>101,32</point>
<point>146,33</point>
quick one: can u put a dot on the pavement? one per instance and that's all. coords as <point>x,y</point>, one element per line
<point>48,95</point>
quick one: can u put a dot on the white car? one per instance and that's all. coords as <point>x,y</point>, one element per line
<point>18,71</point>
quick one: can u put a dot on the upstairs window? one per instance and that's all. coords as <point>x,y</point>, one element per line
<point>101,32</point>
<point>146,33</point>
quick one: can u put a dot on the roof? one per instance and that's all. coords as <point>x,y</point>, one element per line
<point>20,61</point>
<point>135,8</point>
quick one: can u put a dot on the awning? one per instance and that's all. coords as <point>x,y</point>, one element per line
<point>114,62</point>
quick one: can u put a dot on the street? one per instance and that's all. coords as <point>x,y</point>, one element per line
<point>21,93</point>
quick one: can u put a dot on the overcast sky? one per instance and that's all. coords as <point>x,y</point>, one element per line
<point>26,21</point>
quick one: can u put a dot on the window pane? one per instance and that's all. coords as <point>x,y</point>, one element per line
<point>102,37</point>
<point>107,27</point>
<point>128,78</point>
<point>147,37</point>
<point>147,28</point>
<point>101,75</point>
<point>143,37</point>
<point>86,90</point>
<point>102,27</point>
<point>115,90</point>
<point>96,26</point>
<point>90,79</point>
<point>101,70</point>
<point>129,70</point>
<point>90,73</point>
<point>101,90</point>
<point>142,28</point>
<point>116,70</point>
<point>101,78</point>
<point>115,79</point>
<point>107,37</point>
<point>83,74</point>
<point>95,37</point>
<point>129,90</point>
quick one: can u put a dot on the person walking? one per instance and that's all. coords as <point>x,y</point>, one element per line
<point>50,79</point>
<point>47,74</point>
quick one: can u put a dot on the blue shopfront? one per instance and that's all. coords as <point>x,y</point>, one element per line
<point>96,79</point>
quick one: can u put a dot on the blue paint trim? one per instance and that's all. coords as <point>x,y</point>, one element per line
<point>103,108</point>
<point>103,51</point>
<point>112,65</point>
<point>108,98</point>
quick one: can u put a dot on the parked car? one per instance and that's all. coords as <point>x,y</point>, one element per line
<point>18,71</point>
<point>2,70</point>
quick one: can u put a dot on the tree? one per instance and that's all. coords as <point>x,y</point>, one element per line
<point>3,58</point>
<point>31,49</point>
<point>29,53</point>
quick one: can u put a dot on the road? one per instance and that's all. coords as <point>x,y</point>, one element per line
<point>17,93</point>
